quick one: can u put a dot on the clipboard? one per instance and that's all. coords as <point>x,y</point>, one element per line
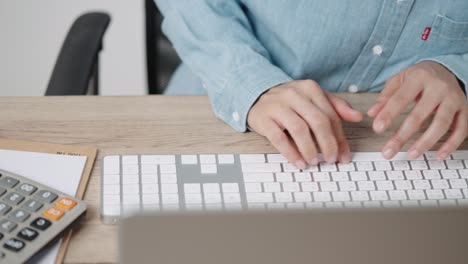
<point>79,150</point>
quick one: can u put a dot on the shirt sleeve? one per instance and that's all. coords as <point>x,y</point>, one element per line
<point>457,64</point>
<point>216,41</point>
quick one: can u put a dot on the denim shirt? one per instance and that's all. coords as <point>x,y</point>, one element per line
<point>241,48</point>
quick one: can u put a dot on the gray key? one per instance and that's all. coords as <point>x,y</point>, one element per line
<point>46,196</point>
<point>4,208</point>
<point>32,205</point>
<point>26,188</point>
<point>7,225</point>
<point>19,215</point>
<point>8,182</point>
<point>2,191</point>
<point>13,198</point>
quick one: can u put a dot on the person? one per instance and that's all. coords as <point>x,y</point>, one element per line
<point>273,66</point>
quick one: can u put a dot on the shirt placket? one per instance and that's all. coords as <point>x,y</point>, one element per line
<point>379,47</point>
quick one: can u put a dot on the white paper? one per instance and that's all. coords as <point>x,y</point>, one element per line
<point>61,172</point>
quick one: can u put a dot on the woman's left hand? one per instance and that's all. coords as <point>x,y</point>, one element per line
<point>437,92</point>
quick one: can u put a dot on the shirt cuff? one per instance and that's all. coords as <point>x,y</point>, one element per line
<point>456,65</point>
<point>245,85</point>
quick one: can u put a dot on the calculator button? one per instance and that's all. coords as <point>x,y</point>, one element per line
<point>32,205</point>
<point>53,213</point>
<point>65,203</point>
<point>28,234</point>
<point>4,208</point>
<point>2,191</point>
<point>46,196</point>
<point>13,198</point>
<point>19,215</point>
<point>26,188</point>
<point>14,244</point>
<point>41,223</point>
<point>8,182</point>
<point>7,225</point>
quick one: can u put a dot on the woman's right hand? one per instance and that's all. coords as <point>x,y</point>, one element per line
<point>312,118</point>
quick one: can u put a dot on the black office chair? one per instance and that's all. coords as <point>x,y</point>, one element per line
<point>76,68</point>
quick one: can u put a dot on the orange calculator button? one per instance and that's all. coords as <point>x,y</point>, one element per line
<point>53,213</point>
<point>65,203</point>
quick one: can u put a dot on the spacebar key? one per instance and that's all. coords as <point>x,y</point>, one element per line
<point>261,167</point>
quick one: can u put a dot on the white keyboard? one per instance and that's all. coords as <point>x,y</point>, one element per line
<point>134,183</point>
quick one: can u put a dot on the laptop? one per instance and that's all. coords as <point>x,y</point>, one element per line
<point>416,236</point>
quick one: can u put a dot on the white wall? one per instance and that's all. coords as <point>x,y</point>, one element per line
<point>32,32</point>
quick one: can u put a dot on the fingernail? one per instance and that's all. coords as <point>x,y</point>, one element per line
<point>345,158</point>
<point>301,164</point>
<point>413,154</point>
<point>379,126</point>
<point>388,153</point>
<point>443,156</point>
<point>314,161</point>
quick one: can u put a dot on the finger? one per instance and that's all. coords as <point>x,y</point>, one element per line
<point>458,135</point>
<point>300,133</point>
<point>281,142</point>
<point>396,104</point>
<point>344,109</point>
<point>320,123</point>
<point>391,86</point>
<point>412,124</point>
<point>440,125</point>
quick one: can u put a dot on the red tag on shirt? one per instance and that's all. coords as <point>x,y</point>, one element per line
<point>426,33</point>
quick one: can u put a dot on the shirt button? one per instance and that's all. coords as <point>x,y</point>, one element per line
<point>236,116</point>
<point>353,88</point>
<point>377,50</point>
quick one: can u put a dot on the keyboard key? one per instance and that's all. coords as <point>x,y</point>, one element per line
<point>416,195</point>
<point>300,176</point>
<point>111,165</point>
<point>169,188</point>
<point>379,195</point>
<point>440,184</point>
<point>346,166</point>
<point>366,185</point>
<point>26,189</point>
<point>454,164</point>
<point>149,169</point>
<point>209,168</point>
<point>413,175</point>
<point>311,168</point>
<point>252,158</point>
<point>226,159</point>
<point>400,165</point>
<point>149,199</point>
<point>272,187</point>
<point>358,176</point>
<point>309,186</point>
<point>436,165</point>
<point>167,168</point>
<point>288,167</point>
<point>258,177</point>
<point>295,205</point>
<point>46,196</point>
<point>207,159</point>
<point>4,208</point>
<point>14,244</point>
<point>395,175</point>
<point>302,197</point>
<point>28,234</point>
<point>131,189</point>
<point>19,215</point>
<point>377,176</point>
<point>291,187</point>
<point>421,184</point>
<point>111,189</point>
<point>418,165</point>
<point>157,159</point>
<point>382,165</point>
<point>465,192</point>
<point>193,198</point>
<point>53,213</point>
<point>230,187</point>
<point>397,195</point>
<point>231,197</point>
<point>259,197</point>
<point>431,174</point>
<point>253,187</point>
<point>130,179</point>
<point>431,155</point>
<point>65,203</point>
<point>458,183</point>
<point>435,194</point>
<point>364,166</point>
<point>460,154</point>
<point>169,198</point>
<point>284,177</point>
<point>339,176</point>
<point>13,198</point>
<point>111,179</point>
<point>211,188</point>
<point>453,194</point>
<point>384,185</point>
<point>276,158</point>
<point>8,182</point>
<point>449,174</point>
<point>328,186</point>
<point>6,226</point>
<point>130,169</point>
<point>41,223</point>
<point>347,186</point>
<point>110,199</point>
<point>168,178</point>
<point>341,196</point>
<point>322,197</point>
<point>130,159</point>
<point>320,176</point>
<point>189,159</point>
<point>32,205</point>
<point>464,172</point>
<point>212,197</point>
<point>261,167</point>
<point>149,178</point>
<point>192,188</point>
<point>327,167</point>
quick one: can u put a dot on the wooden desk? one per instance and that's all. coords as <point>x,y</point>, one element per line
<point>136,125</point>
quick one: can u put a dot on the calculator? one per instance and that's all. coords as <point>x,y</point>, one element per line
<point>32,216</point>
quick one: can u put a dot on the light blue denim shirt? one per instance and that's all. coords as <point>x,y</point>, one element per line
<point>238,49</point>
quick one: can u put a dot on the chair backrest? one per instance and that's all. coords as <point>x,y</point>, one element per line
<point>161,58</point>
